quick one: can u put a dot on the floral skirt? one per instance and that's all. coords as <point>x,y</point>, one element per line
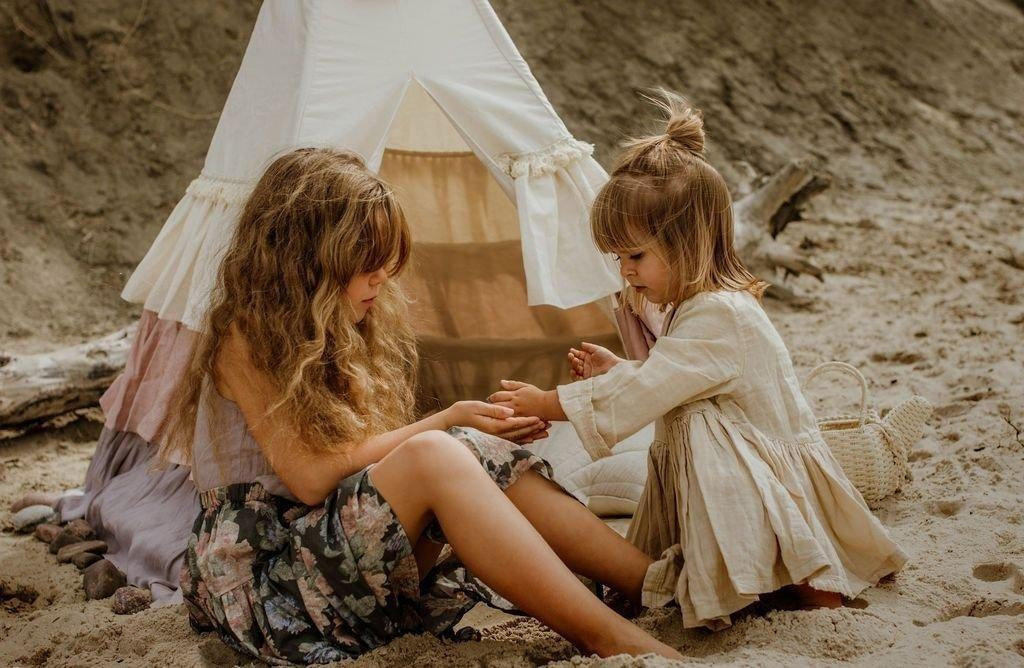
<point>288,583</point>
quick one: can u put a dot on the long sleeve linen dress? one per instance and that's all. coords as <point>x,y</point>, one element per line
<point>743,496</point>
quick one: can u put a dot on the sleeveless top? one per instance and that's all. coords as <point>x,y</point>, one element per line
<point>223,450</point>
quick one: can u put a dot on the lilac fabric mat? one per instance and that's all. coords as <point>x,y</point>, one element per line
<point>144,516</point>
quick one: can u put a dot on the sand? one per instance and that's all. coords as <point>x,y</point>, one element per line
<point>914,110</point>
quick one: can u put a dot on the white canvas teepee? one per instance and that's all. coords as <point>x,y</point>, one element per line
<point>436,97</point>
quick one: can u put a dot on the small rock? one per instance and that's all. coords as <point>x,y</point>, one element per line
<point>129,600</point>
<point>75,532</point>
<point>47,532</point>
<point>35,499</point>
<point>95,546</point>
<point>27,518</point>
<point>80,528</point>
<point>102,579</point>
<point>63,539</point>
<point>85,559</point>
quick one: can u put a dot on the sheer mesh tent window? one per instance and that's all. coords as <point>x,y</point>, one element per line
<point>467,279</point>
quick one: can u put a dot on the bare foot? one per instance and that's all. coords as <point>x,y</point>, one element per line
<point>797,597</point>
<point>635,642</point>
<point>809,597</point>
<point>36,499</point>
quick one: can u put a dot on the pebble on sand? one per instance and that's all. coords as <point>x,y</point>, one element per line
<point>75,532</point>
<point>129,600</point>
<point>47,532</point>
<point>102,579</point>
<point>27,518</point>
<point>65,553</point>
<point>83,560</point>
<point>36,499</point>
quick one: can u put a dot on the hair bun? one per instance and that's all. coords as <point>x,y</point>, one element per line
<point>684,125</point>
<point>686,128</point>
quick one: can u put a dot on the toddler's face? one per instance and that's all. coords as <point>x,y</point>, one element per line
<point>363,289</point>
<point>646,271</point>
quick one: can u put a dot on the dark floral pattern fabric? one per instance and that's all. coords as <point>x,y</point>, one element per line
<point>288,583</point>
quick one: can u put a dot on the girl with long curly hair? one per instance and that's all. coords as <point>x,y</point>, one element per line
<point>324,503</point>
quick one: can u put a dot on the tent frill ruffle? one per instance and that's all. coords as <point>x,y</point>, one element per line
<point>138,399</point>
<point>554,188</point>
<point>175,278</point>
<point>546,160</point>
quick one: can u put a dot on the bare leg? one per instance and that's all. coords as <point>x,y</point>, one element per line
<point>580,539</point>
<point>587,545</point>
<point>432,474</point>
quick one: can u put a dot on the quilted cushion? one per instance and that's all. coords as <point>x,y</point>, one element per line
<point>610,486</point>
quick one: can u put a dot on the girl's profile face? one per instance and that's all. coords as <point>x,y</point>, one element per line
<point>363,289</point>
<point>646,271</point>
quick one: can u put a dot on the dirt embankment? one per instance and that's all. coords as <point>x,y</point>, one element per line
<point>107,108</point>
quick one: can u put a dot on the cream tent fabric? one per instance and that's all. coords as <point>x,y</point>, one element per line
<point>434,96</point>
<point>336,73</point>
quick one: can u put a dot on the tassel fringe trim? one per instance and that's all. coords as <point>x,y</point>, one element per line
<point>220,191</point>
<point>547,160</point>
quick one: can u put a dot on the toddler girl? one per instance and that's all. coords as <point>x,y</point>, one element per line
<point>743,496</point>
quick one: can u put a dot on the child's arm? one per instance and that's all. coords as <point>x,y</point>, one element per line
<point>312,475</point>
<point>695,361</point>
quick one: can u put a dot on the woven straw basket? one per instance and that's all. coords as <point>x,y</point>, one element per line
<point>872,450</point>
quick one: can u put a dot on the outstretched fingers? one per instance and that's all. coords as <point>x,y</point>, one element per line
<point>502,398</point>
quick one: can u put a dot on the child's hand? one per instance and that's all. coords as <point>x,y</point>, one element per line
<point>593,360</point>
<point>526,399</point>
<point>495,420</point>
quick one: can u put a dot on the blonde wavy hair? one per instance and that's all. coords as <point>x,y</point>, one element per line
<point>663,192</point>
<point>316,218</point>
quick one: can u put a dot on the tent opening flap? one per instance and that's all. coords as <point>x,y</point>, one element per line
<point>468,287</point>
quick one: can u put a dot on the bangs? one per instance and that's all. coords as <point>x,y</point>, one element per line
<point>385,240</point>
<point>621,217</point>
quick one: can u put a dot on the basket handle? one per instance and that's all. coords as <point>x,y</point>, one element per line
<point>849,370</point>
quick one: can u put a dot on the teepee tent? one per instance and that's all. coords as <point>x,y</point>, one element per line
<point>435,96</point>
<point>505,277</point>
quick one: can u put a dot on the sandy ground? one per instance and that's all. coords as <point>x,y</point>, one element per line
<point>913,109</point>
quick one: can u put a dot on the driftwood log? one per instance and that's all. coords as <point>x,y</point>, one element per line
<point>763,214</point>
<point>35,387</point>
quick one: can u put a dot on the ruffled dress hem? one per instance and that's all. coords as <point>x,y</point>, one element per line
<point>730,514</point>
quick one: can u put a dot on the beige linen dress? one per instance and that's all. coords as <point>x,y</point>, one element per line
<point>743,496</point>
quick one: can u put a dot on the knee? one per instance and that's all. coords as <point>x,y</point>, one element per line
<point>436,454</point>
